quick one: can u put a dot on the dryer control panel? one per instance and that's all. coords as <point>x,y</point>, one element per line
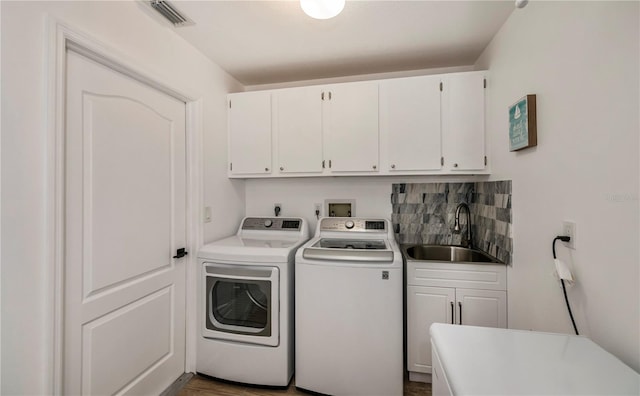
<point>271,224</point>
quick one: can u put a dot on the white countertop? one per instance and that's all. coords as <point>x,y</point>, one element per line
<point>489,361</point>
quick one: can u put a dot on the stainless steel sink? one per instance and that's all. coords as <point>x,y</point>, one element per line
<point>446,253</point>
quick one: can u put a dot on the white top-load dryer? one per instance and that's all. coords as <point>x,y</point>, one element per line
<point>349,328</point>
<point>245,302</point>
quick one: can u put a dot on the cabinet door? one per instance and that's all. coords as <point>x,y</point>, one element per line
<point>298,127</point>
<point>486,308</point>
<point>249,128</point>
<point>350,130</point>
<point>425,306</point>
<point>463,121</point>
<point>410,123</point>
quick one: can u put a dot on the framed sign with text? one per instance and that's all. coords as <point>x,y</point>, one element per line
<point>522,124</point>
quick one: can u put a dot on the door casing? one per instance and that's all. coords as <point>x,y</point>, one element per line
<point>60,38</point>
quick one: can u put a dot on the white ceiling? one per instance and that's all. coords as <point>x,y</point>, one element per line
<point>260,42</point>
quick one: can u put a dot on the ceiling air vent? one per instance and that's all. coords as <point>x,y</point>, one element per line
<point>171,13</point>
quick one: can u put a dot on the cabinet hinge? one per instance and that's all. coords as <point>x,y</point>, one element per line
<point>485,82</point>
<point>440,86</point>
<point>229,104</point>
<point>322,164</point>
<point>230,166</point>
<point>485,160</point>
<point>442,161</point>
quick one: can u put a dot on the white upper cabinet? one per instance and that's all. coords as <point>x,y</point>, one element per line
<point>249,127</point>
<point>406,126</point>
<point>410,128</point>
<point>463,115</point>
<point>350,127</point>
<point>298,127</point>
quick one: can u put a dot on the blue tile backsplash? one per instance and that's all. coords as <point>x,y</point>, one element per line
<point>424,213</point>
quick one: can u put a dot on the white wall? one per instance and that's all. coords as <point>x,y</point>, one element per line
<point>361,77</point>
<point>298,196</point>
<point>581,60</point>
<point>125,26</point>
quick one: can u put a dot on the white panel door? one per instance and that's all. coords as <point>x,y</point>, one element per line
<point>299,130</point>
<point>486,308</point>
<point>350,115</point>
<point>125,217</point>
<point>425,306</point>
<point>463,121</point>
<point>250,133</point>
<point>410,123</point>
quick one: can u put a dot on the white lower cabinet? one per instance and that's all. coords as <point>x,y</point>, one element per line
<point>467,294</point>
<point>487,308</point>
<point>425,306</point>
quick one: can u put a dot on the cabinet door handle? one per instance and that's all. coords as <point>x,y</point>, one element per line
<point>266,169</point>
<point>282,168</point>
<point>393,166</point>
<point>375,167</point>
<point>455,165</point>
<point>453,315</point>
<point>460,312</point>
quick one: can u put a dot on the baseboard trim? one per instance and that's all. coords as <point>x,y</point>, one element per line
<point>177,385</point>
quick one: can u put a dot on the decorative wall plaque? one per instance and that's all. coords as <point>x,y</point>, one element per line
<point>522,124</point>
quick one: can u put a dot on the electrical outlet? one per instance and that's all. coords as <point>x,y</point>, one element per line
<point>317,209</point>
<point>207,214</point>
<point>277,209</point>
<point>569,229</point>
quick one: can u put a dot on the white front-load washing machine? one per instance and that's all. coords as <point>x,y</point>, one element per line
<point>245,302</point>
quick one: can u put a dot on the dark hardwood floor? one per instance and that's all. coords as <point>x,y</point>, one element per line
<point>200,386</point>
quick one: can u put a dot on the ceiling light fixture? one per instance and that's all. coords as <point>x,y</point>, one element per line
<point>322,9</point>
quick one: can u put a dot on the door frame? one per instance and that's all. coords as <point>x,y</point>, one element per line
<point>60,37</point>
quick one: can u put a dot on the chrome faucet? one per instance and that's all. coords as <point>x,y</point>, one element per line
<point>456,225</point>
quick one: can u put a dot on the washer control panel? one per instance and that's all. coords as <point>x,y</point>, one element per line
<point>271,224</point>
<point>352,225</point>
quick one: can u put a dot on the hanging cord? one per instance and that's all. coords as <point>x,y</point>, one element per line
<point>564,289</point>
